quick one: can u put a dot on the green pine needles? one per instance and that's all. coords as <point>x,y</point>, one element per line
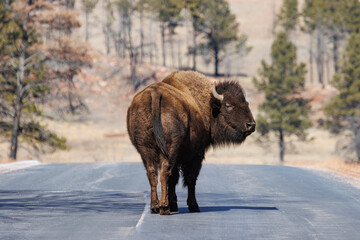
<point>284,111</point>
<point>343,110</point>
<point>23,81</point>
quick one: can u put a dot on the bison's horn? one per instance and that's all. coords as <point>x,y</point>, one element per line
<point>220,97</point>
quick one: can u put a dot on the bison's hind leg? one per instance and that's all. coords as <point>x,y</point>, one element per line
<point>165,173</point>
<point>152,174</point>
<point>151,162</point>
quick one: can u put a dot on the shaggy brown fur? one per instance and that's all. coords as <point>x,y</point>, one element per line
<point>173,122</point>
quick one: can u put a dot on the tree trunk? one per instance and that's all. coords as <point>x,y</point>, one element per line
<point>141,36</point>
<point>311,70</point>
<point>194,52</point>
<point>163,43</point>
<point>116,44</point>
<point>156,54</point>
<point>354,122</point>
<point>320,55</point>
<point>16,126</point>
<point>357,145</point>
<point>216,59</point>
<point>188,53</point>
<point>132,53</point>
<point>281,145</point>
<point>18,101</point>
<point>70,96</point>
<point>320,50</point>
<point>327,67</point>
<point>335,39</point>
<point>106,31</point>
<point>123,39</point>
<point>86,26</point>
<point>133,63</point>
<point>179,54</point>
<point>151,44</point>
<point>172,49</point>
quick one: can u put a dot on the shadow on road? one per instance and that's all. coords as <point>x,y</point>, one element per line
<point>228,208</point>
<point>71,202</point>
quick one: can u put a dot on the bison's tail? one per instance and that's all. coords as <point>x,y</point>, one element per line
<point>157,126</point>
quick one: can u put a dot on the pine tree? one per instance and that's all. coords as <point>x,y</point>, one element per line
<point>284,111</point>
<point>221,30</point>
<point>23,76</point>
<point>314,16</point>
<point>343,110</point>
<point>352,15</point>
<point>336,27</point>
<point>196,9</point>
<point>167,13</point>
<point>5,24</point>
<point>288,16</point>
<point>332,20</point>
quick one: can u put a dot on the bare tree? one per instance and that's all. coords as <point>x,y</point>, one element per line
<point>66,57</point>
<point>88,8</point>
<point>107,24</point>
<point>168,14</point>
<point>320,51</point>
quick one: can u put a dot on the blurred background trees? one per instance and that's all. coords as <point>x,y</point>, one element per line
<point>288,17</point>
<point>65,56</point>
<point>40,56</point>
<point>215,31</point>
<point>88,7</point>
<point>221,33</point>
<point>44,49</point>
<point>344,109</point>
<point>329,23</point>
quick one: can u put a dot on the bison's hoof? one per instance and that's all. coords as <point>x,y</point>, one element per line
<point>155,210</point>
<point>164,210</point>
<point>173,207</point>
<point>194,207</point>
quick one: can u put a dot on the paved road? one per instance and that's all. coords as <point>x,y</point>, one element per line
<point>110,201</point>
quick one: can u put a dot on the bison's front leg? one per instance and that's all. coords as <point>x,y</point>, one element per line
<point>191,172</point>
<point>191,201</point>
<point>165,172</point>
<point>173,180</point>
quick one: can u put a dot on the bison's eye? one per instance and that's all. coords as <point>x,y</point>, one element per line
<point>229,107</point>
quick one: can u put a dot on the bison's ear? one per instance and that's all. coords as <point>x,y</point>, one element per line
<point>215,105</point>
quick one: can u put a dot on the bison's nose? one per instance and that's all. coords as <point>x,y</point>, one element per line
<point>251,126</point>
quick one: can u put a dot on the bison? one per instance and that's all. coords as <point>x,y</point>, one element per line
<point>173,122</point>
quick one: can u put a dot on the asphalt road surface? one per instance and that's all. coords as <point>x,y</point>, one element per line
<point>111,201</point>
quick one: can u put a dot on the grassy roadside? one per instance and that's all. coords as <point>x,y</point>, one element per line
<point>336,165</point>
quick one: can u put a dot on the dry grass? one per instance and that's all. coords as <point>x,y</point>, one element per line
<point>102,137</point>
<point>335,165</point>
<point>7,160</point>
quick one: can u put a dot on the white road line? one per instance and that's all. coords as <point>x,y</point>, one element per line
<point>9,167</point>
<point>146,210</point>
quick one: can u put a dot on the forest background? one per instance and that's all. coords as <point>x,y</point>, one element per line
<point>72,67</point>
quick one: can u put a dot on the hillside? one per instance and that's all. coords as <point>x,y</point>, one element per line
<point>100,135</point>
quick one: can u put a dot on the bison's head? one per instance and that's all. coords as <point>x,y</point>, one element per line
<point>232,117</point>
